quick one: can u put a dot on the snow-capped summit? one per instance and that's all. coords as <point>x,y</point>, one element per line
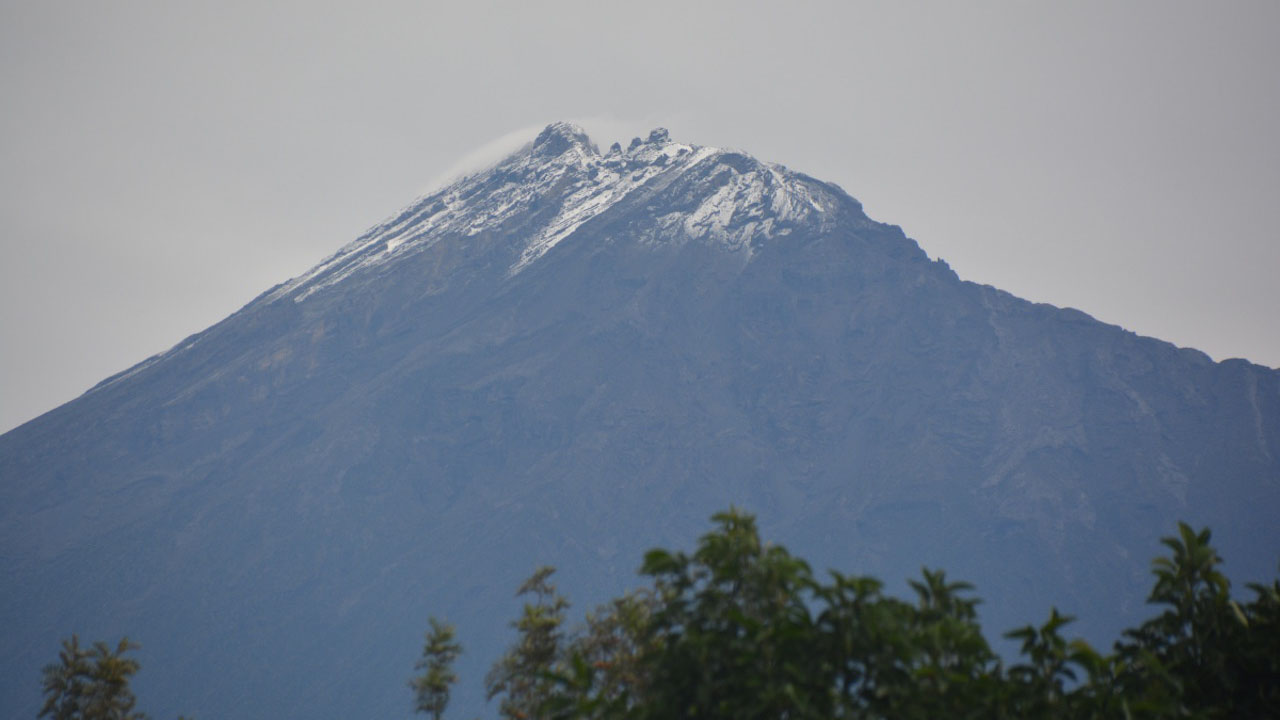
<point>543,193</point>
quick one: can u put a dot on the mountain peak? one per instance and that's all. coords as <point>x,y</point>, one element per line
<point>545,192</point>
<point>559,137</point>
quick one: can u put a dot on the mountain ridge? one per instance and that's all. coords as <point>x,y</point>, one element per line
<point>555,139</point>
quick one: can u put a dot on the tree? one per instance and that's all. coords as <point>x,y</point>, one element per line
<point>1205,654</point>
<point>732,633</point>
<point>741,629</point>
<point>90,683</point>
<point>602,671</point>
<point>431,687</point>
<point>525,676</point>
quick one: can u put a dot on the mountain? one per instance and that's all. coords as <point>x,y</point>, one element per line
<point>567,359</point>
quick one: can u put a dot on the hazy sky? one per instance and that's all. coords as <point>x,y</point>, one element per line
<point>164,162</point>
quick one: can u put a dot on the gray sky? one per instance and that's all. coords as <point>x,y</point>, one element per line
<point>164,162</point>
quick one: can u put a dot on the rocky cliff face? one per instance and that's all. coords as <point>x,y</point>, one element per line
<point>572,357</point>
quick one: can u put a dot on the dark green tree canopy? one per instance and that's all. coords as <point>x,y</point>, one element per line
<point>436,675</point>
<point>741,629</point>
<point>90,683</point>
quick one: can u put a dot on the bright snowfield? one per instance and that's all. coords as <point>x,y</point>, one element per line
<point>752,201</point>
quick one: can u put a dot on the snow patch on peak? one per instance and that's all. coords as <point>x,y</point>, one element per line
<point>615,177</point>
<point>751,200</point>
<point>735,199</point>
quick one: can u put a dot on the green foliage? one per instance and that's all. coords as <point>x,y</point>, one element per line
<point>741,629</point>
<point>525,676</point>
<point>607,655</point>
<point>1206,655</point>
<point>90,683</point>
<point>730,637</point>
<point>431,685</point>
